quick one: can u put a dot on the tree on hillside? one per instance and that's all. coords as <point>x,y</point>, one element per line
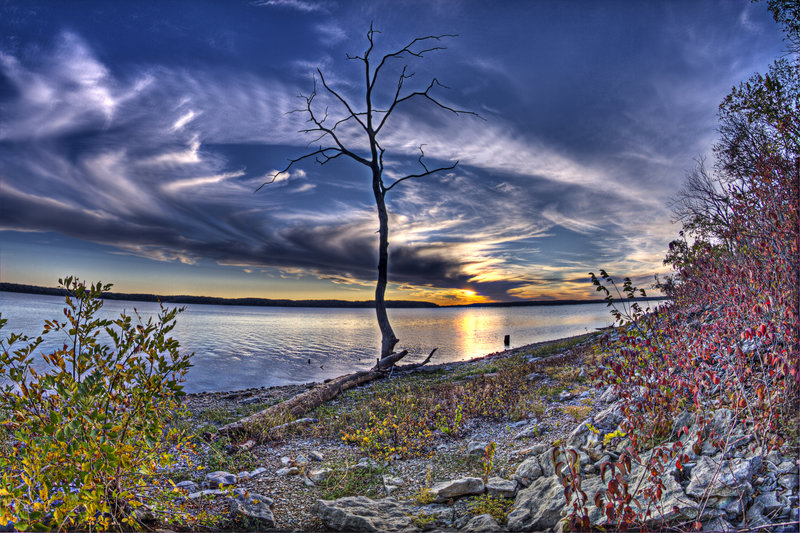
<point>353,129</point>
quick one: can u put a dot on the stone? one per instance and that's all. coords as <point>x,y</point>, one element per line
<point>253,510</point>
<point>563,396</point>
<point>528,471</point>
<point>447,490</point>
<point>258,471</point>
<point>537,449</point>
<point>287,471</point>
<point>582,437</point>
<point>529,432</point>
<point>546,462</point>
<point>366,463</point>
<point>727,484</point>
<point>534,376</point>
<point>538,507</point>
<point>607,420</point>
<point>483,522</point>
<point>144,513</point>
<point>390,484</point>
<point>768,502</point>
<point>359,513</point>
<point>476,448</point>
<point>718,524</point>
<point>443,515</point>
<point>287,461</point>
<point>209,492</point>
<point>505,488</point>
<point>609,396</point>
<point>188,486</point>
<point>788,467</point>
<point>319,475</point>
<point>315,456</point>
<point>247,445</point>
<point>218,479</point>
<point>788,481</point>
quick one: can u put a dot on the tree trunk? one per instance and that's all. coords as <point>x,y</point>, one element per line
<point>388,339</point>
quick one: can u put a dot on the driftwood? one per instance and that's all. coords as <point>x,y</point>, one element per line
<point>306,401</point>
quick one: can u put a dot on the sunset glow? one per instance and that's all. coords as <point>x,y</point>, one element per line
<point>135,134</point>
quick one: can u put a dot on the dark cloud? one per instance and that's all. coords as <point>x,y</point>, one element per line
<point>159,154</point>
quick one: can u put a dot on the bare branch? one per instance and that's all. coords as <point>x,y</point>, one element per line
<point>425,94</point>
<point>343,101</point>
<point>316,153</point>
<point>427,172</point>
<point>407,49</point>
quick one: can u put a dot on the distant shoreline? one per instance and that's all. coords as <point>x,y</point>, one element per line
<point>267,302</point>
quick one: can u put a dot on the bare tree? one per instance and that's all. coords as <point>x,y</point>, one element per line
<point>369,120</point>
<point>703,204</point>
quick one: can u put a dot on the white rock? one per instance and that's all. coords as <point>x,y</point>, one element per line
<point>287,471</point>
<point>457,488</point>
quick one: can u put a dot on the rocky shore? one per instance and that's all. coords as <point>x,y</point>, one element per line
<point>491,475</point>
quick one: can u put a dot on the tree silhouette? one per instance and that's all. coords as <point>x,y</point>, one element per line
<point>369,121</point>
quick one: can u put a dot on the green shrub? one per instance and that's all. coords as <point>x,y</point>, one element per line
<point>86,431</point>
<point>494,506</point>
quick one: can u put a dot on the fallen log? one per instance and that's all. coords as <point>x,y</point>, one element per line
<point>316,396</point>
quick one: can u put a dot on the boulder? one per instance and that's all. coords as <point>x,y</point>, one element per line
<point>287,471</point>
<point>359,513</point>
<point>315,456</point>
<point>726,483</point>
<point>528,471</point>
<point>390,483</point>
<point>258,471</point>
<point>582,437</point>
<point>188,486</point>
<point>538,507</point>
<point>788,481</point>
<point>252,510</point>
<point>457,488</point>
<point>725,478</point>
<point>768,502</point>
<point>505,488</point>
<point>476,448</point>
<point>534,430</point>
<point>483,522</point>
<point>319,475</point>
<point>609,396</point>
<point>209,492</point>
<point>144,513</point>
<point>546,462</point>
<point>607,420</point>
<point>219,478</point>
<point>566,395</point>
<point>247,445</point>
<point>719,524</point>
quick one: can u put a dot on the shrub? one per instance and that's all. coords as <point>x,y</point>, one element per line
<point>495,506</point>
<point>86,431</point>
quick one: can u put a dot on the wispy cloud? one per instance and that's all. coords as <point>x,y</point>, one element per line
<point>305,6</point>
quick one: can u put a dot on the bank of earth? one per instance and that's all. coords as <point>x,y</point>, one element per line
<point>457,446</point>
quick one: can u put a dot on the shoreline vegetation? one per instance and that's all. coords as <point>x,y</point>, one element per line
<point>268,302</point>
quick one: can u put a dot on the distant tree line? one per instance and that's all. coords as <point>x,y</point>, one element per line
<point>210,300</point>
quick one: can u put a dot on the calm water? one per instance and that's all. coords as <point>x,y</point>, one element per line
<point>240,347</point>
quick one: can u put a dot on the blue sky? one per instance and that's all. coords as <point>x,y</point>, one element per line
<point>133,136</point>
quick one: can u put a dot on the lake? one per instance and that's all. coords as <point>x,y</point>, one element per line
<point>238,347</point>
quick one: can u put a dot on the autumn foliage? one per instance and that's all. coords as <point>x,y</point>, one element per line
<point>727,338</point>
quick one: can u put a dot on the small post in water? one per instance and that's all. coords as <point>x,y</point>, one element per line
<point>507,340</point>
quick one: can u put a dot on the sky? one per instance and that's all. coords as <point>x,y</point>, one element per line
<point>134,134</point>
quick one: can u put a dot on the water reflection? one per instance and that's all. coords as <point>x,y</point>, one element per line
<point>239,347</point>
